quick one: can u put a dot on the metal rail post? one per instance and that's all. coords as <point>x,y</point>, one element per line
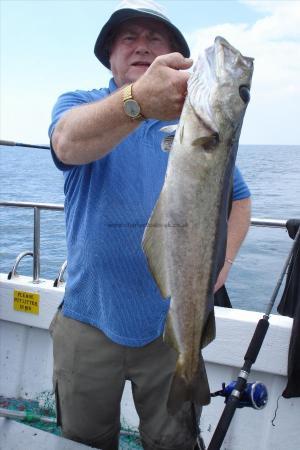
<point>36,245</point>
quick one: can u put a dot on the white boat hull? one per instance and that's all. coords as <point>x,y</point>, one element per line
<point>26,371</point>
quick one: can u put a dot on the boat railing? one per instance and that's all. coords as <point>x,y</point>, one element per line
<point>37,207</point>
<point>35,253</point>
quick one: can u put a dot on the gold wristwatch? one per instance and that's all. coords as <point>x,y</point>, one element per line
<point>131,107</point>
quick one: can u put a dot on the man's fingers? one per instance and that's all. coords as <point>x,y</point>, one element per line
<point>161,90</point>
<point>175,61</point>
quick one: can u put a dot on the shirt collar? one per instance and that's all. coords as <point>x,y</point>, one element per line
<point>112,85</point>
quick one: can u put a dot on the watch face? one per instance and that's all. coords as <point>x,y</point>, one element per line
<point>132,108</point>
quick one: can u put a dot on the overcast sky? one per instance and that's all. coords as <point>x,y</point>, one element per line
<point>47,49</point>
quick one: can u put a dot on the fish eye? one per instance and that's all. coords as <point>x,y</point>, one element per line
<point>244,93</point>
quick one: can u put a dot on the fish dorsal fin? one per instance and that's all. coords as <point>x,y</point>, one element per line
<point>167,142</point>
<point>153,247</point>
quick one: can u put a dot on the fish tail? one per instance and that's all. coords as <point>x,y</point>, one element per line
<point>181,391</point>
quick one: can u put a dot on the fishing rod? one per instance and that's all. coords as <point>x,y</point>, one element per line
<point>240,393</point>
<point>20,144</point>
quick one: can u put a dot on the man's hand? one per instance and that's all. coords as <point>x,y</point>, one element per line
<point>162,89</point>
<point>222,276</point>
<point>92,130</point>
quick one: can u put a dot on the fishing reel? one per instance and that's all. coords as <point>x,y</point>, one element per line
<point>255,395</point>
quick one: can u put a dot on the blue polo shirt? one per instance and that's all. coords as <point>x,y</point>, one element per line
<point>107,205</point>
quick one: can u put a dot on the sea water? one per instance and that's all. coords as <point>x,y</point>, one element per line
<point>272,173</point>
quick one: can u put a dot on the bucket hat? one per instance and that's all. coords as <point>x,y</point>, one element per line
<point>132,9</point>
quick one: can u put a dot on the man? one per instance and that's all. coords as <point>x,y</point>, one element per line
<point>107,143</point>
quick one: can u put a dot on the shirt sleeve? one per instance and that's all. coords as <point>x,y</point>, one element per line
<point>64,103</point>
<point>240,188</point>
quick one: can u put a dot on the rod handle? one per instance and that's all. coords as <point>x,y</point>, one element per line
<point>223,425</point>
<point>257,340</point>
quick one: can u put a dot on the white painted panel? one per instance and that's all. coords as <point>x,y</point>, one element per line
<point>26,368</point>
<point>50,298</point>
<point>235,329</point>
<point>25,360</point>
<point>16,436</point>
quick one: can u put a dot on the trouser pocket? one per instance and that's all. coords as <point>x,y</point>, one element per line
<point>53,322</point>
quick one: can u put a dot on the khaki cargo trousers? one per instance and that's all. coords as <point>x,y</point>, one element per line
<point>89,376</point>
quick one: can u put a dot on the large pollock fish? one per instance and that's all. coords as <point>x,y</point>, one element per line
<point>185,239</point>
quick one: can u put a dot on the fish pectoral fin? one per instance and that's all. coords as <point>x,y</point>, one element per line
<point>153,247</point>
<point>207,142</point>
<point>196,391</point>
<point>167,143</point>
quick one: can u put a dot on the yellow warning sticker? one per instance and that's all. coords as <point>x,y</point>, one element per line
<point>27,302</point>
